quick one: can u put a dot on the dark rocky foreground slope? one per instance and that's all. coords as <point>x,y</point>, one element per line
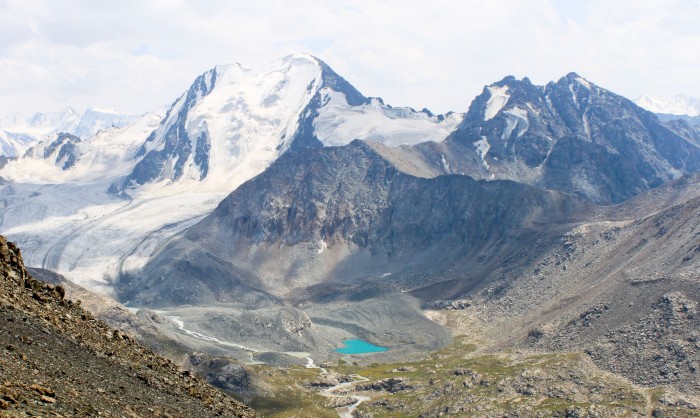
<point>57,359</point>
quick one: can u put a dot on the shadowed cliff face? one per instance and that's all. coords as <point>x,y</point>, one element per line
<point>345,217</point>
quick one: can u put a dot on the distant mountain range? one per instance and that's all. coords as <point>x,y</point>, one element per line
<point>19,132</point>
<point>681,105</point>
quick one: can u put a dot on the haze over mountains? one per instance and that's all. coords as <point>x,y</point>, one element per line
<point>680,104</point>
<point>19,132</point>
<point>562,216</point>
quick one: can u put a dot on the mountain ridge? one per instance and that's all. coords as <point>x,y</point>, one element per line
<point>325,216</point>
<point>570,135</point>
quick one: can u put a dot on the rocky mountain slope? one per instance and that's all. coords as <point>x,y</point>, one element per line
<point>57,359</point>
<point>343,220</point>
<point>693,121</point>
<point>623,291</point>
<point>539,267</point>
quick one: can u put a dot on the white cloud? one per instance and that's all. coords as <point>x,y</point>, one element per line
<point>138,55</point>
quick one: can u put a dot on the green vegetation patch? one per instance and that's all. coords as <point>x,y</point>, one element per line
<point>458,381</point>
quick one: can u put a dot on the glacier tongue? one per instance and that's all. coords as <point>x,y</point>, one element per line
<point>90,236</point>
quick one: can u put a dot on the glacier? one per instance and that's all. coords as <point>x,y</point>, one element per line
<point>130,188</point>
<point>339,123</point>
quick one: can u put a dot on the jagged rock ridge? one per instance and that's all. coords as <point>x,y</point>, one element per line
<point>569,135</point>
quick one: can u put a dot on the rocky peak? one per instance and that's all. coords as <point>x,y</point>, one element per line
<point>62,151</point>
<point>353,212</point>
<point>177,146</point>
<point>572,136</point>
<point>498,97</point>
<point>335,82</point>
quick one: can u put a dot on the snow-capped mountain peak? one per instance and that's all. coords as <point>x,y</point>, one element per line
<point>155,176</point>
<point>675,105</point>
<point>229,124</point>
<point>234,121</point>
<point>94,120</point>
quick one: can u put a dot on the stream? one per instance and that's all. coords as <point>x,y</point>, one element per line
<point>346,411</point>
<point>181,326</point>
<point>343,412</point>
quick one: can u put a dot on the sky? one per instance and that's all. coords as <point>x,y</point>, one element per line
<point>138,55</point>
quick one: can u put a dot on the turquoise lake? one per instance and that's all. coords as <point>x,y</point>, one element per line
<point>359,347</point>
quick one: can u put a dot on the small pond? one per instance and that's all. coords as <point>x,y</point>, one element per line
<point>359,347</point>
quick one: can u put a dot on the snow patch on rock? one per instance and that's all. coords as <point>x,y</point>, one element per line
<point>499,98</point>
<point>515,117</point>
<point>482,148</point>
